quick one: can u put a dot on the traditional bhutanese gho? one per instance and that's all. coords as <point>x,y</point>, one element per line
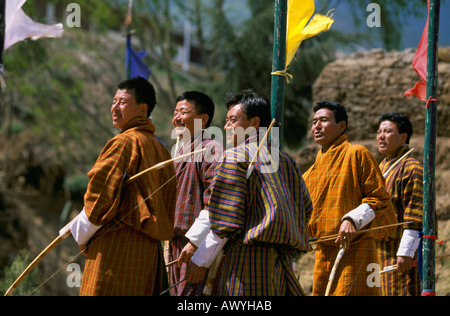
<point>342,182</point>
<point>124,256</point>
<point>264,219</point>
<point>405,186</point>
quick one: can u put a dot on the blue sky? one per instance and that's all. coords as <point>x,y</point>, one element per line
<point>412,31</point>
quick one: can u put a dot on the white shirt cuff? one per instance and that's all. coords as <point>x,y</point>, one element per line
<point>82,229</point>
<point>409,243</point>
<point>208,250</point>
<point>361,216</point>
<point>201,227</point>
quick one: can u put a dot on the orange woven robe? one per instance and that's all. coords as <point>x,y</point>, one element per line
<point>125,257</point>
<point>339,181</point>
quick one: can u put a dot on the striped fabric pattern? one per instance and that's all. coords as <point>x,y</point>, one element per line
<point>405,185</point>
<point>194,178</point>
<point>265,219</point>
<point>128,242</point>
<point>339,181</point>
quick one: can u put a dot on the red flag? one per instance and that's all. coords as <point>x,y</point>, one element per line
<point>420,66</point>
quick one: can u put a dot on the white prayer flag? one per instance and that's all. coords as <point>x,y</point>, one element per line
<point>18,26</point>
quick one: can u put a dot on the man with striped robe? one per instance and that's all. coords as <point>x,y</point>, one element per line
<point>263,218</point>
<point>121,226</point>
<point>405,186</point>
<point>348,194</point>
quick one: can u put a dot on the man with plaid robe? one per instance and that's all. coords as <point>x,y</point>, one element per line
<point>194,177</point>
<point>404,184</point>
<point>262,218</point>
<point>348,194</point>
<point>121,226</point>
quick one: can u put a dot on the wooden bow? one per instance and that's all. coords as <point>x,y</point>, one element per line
<point>65,231</point>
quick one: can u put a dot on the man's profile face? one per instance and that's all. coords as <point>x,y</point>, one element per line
<point>124,108</point>
<point>236,123</point>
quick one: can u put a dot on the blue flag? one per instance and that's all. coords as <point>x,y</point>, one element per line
<point>135,67</point>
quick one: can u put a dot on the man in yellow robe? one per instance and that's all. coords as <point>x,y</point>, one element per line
<point>348,194</point>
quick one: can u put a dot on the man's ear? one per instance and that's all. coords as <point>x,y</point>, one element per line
<point>255,122</point>
<point>342,126</point>
<point>144,108</point>
<point>205,119</point>
<point>404,137</point>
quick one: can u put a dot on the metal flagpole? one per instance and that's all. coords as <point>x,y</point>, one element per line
<point>429,215</point>
<point>279,64</point>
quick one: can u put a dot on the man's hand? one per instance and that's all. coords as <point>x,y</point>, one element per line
<point>187,253</point>
<point>404,264</point>
<point>346,233</point>
<point>195,273</point>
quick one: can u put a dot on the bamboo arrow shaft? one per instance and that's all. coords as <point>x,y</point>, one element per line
<point>397,162</point>
<point>255,157</point>
<point>163,164</point>
<point>331,237</point>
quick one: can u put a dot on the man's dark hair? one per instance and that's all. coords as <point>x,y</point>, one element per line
<point>203,104</point>
<point>401,121</point>
<point>340,114</point>
<point>144,92</point>
<point>254,105</point>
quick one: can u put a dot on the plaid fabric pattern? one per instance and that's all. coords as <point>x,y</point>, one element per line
<point>194,177</point>
<point>405,185</point>
<point>339,181</point>
<point>258,269</point>
<point>351,275</point>
<point>265,219</point>
<point>122,262</point>
<point>145,206</point>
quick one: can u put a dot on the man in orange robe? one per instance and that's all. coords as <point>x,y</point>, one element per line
<point>121,226</point>
<point>348,194</point>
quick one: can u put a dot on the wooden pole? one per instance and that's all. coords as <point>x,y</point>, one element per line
<point>279,64</point>
<point>429,196</point>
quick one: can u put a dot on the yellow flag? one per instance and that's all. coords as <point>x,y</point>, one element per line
<point>299,13</point>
